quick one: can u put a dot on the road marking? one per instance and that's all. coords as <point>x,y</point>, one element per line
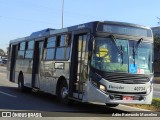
<point>8,94</point>
<point>134,108</point>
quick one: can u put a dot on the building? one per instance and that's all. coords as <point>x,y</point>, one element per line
<point>156,31</point>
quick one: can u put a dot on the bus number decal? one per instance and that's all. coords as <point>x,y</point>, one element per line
<point>139,88</point>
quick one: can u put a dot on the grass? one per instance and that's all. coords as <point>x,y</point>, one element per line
<point>155,106</point>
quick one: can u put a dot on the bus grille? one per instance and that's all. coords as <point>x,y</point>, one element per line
<point>120,97</point>
<point>127,79</point>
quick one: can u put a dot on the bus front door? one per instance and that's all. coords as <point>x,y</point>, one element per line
<point>79,63</point>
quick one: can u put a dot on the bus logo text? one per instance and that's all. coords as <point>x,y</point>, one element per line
<point>116,87</point>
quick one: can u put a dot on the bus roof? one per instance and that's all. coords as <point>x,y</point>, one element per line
<point>36,34</point>
<point>126,24</point>
<point>50,31</point>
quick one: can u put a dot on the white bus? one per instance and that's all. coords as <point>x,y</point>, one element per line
<point>106,62</point>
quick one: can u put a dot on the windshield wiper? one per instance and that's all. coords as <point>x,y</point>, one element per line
<point>119,48</point>
<point>135,49</point>
<point>137,45</point>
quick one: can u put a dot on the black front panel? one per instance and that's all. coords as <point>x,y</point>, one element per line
<point>123,78</point>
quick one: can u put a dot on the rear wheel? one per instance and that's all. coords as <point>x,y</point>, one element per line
<point>21,86</point>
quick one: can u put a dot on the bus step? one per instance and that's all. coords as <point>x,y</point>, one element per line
<point>75,99</point>
<point>35,89</point>
<point>78,96</point>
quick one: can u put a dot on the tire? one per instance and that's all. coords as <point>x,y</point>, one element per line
<point>21,86</point>
<point>63,93</point>
<point>112,105</point>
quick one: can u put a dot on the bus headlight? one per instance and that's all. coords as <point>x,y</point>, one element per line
<point>102,88</point>
<point>99,86</point>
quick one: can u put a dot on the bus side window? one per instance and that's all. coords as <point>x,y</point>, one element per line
<point>29,49</point>
<point>68,46</point>
<point>22,46</point>
<point>21,50</point>
<point>63,47</point>
<point>67,40</point>
<point>49,48</point>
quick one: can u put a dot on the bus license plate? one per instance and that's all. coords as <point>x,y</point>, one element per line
<point>128,97</point>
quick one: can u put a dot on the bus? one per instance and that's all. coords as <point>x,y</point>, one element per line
<point>101,61</point>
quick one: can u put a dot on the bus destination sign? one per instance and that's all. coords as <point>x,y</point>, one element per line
<point>124,30</point>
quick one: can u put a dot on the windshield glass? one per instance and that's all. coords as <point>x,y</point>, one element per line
<point>106,56</point>
<point>141,60</point>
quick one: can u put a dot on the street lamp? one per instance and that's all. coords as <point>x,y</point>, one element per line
<point>62,11</point>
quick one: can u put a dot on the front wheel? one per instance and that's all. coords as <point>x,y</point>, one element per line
<point>63,93</point>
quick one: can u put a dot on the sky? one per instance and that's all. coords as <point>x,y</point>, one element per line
<point>19,18</point>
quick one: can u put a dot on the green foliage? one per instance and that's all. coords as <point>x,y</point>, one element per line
<point>1,52</point>
<point>156,43</point>
<point>156,102</point>
<point>155,106</point>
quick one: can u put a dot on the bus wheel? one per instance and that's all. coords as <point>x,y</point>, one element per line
<point>21,83</point>
<point>21,86</point>
<point>112,105</point>
<point>63,93</point>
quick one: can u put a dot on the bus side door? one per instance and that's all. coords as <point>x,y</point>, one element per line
<point>36,64</point>
<point>79,64</point>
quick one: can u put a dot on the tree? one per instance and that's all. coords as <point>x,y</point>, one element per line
<point>158,20</point>
<point>156,48</point>
<point>156,56</point>
<point>2,52</point>
<point>156,43</point>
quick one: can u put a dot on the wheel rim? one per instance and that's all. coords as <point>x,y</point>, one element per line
<point>64,92</point>
<point>19,85</point>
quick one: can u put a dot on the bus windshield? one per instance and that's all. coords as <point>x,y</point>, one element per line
<point>141,60</point>
<point>106,56</point>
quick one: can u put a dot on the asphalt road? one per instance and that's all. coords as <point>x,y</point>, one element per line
<point>11,99</point>
<point>156,90</point>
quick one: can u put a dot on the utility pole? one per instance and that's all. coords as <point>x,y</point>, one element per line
<point>62,11</point>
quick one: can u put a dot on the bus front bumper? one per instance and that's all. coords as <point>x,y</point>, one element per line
<point>93,94</point>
